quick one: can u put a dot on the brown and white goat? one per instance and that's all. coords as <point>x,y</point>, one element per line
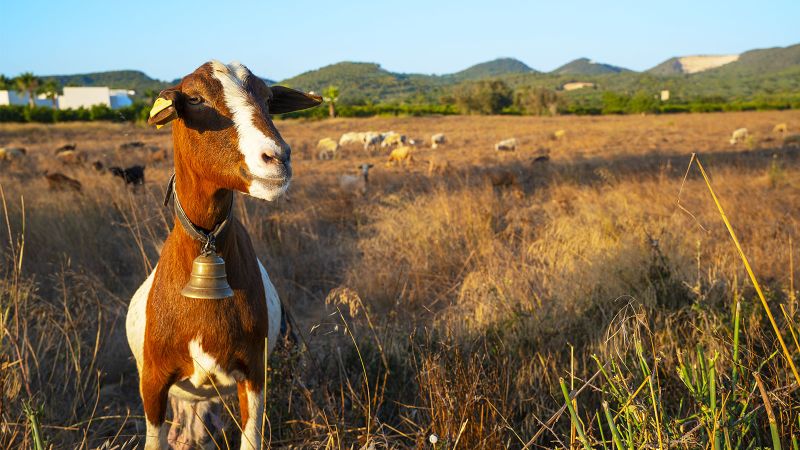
<point>193,349</point>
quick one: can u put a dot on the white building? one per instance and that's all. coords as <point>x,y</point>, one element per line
<point>664,95</point>
<point>74,97</point>
<point>21,98</point>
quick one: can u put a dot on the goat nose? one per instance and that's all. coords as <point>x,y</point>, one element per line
<point>277,157</point>
<point>270,158</point>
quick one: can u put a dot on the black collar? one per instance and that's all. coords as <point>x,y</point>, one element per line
<point>209,239</point>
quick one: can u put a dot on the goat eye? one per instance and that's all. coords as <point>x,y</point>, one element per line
<point>195,100</point>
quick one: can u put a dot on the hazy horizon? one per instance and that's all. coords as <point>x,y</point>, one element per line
<point>282,41</point>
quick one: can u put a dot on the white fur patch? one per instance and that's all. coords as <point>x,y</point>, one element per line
<point>251,431</point>
<point>273,309</point>
<point>252,141</point>
<point>155,437</point>
<point>206,366</point>
<point>135,320</point>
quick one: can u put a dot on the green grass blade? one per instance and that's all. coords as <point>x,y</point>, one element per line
<point>574,416</point>
<point>614,433</point>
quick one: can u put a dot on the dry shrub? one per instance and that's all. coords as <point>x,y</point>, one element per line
<point>57,357</point>
<point>416,250</point>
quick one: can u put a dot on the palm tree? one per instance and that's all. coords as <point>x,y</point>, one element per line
<point>5,82</point>
<point>331,95</point>
<point>50,89</point>
<point>28,83</point>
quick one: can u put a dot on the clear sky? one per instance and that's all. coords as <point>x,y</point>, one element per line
<point>280,39</point>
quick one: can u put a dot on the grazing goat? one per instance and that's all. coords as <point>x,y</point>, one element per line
<point>66,148</point>
<point>738,135</point>
<point>507,145</point>
<point>391,139</point>
<point>401,155</point>
<point>60,182</point>
<point>372,141</point>
<point>780,128</point>
<point>190,349</point>
<point>327,148</point>
<point>356,183</point>
<point>132,175</point>
<point>437,140</point>
<point>98,166</point>
<point>131,145</point>
<point>72,157</point>
<point>351,138</point>
<point>558,135</point>
<point>12,153</point>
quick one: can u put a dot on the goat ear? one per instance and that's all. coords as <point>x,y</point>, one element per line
<point>164,109</point>
<point>286,100</point>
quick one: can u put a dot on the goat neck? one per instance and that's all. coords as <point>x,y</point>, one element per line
<point>205,204</point>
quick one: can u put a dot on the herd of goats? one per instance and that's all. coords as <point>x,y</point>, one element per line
<point>401,150</point>
<point>400,147</point>
<point>69,156</point>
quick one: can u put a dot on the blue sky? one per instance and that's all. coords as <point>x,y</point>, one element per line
<point>280,39</point>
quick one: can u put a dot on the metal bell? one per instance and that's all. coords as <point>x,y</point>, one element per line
<point>208,279</point>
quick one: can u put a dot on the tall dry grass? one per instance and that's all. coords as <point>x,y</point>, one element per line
<point>439,307</point>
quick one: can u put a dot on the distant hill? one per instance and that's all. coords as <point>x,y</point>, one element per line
<point>585,66</point>
<point>494,68</point>
<point>765,60</point>
<point>360,82</point>
<point>692,64</point>
<point>757,61</point>
<point>671,66</point>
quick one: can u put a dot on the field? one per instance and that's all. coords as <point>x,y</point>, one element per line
<point>447,304</point>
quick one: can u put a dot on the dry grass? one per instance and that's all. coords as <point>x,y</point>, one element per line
<point>453,306</point>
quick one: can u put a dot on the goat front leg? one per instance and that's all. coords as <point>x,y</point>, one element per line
<point>251,404</point>
<point>154,388</point>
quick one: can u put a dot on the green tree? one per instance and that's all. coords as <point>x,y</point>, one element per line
<point>331,95</point>
<point>50,89</point>
<point>5,82</point>
<point>484,97</point>
<point>643,102</point>
<point>28,83</point>
<point>537,101</point>
<point>614,103</point>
